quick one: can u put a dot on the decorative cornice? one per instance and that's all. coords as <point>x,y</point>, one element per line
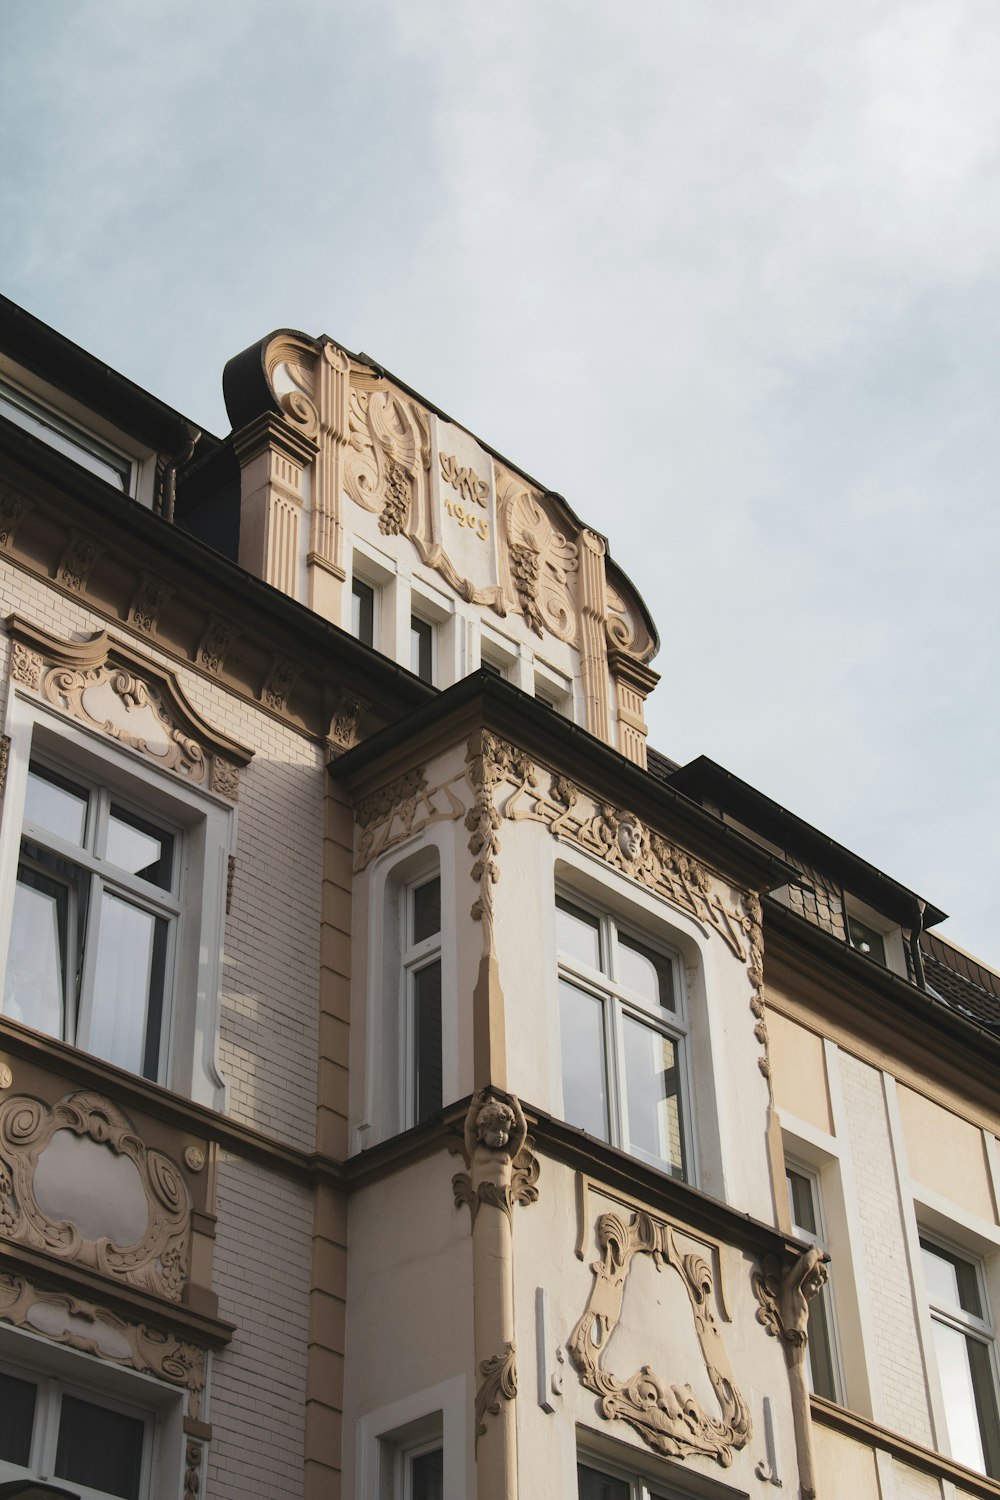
<point>110,687</point>
<point>64,1318</point>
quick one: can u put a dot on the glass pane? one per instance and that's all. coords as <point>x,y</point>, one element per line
<point>17,1419</point>
<point>578,934</point>
<point>426,910</point>
<point>986,1405</point>
<point>421,648</point>
<point>427,1040</point>
<point>140,848</point>
<point>646,973</point>
<point>64,437</point>
<point>651,1085</point>
<point>800,1196</point>
<point>427,1476</point>
<point>55,804</point>
<point>951,1281</point>
<point>958,1389</point>
<point>34,989</point>
<point>866,939</point>
<point>585,1092</point>
<point>100,1448</point>
<point>363,612</point>
<point>820,1348</point>
<point>128,985</point>
<point>594,1486</point>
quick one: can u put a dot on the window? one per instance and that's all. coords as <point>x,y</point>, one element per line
<point>49,1429</point>
<point>807,1223</point>
<point>421,648</point>
<point>620,1484</point>
<point>422,1000</point>
<point>866,940</point>
<point>423,1473</point>
<point>93,932</point>
<point>65,438</point>
<point>964,1345</point>
<point>363,612</point>
<point>622,1037</point>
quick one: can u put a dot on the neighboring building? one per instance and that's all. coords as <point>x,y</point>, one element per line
<point>409,1085</point>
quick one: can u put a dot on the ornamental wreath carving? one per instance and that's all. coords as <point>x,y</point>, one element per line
<point>668,1417</point>
<point>156,1259</point>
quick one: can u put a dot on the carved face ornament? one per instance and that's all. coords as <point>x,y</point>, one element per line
<point>495,1124</point>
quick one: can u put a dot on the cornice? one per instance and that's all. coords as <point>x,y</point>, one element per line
<point>484,701</point>
<point>833,978</point>
<point>60,497</point>
<point>47,1271</point>
<point>872,1434</point>
<point>602,1165</point>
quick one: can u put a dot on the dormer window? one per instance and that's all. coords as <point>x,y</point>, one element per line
<point>66,438</point>
<point>866,940</point>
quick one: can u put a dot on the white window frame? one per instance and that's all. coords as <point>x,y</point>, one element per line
<point>188,1061</point>
<point>618,1002</point>
<point>981,1330</point>
<point>92,431</point>
<point>390,1435</point>
<point>414,957</point>
<point>553,688</point>
<point>359,578</point>
<point>825,1299</point>
<point>416,617</point>
<point>890,933</point>
<point>645,1476</point>
<point>379,1048</point>
<point>55,1369</point>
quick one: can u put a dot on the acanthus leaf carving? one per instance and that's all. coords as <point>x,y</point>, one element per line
<point>668,1418</point>
<point>499,1383</point>
<point>401,809</point>
<point>489,761</point>
<point>157,1261</point>
<point>25,666</point>
<point>542,561</point>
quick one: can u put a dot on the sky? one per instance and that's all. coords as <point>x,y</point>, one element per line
<point>725,275</point>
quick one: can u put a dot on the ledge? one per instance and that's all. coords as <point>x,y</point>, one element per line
<point>872,1435</point>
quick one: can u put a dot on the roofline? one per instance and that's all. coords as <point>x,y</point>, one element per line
<point>55,358</point>
<point>864,879</point>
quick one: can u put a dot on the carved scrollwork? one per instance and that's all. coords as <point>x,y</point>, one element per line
<point>12,508</point>
<point>499,1383</point>
<point>386,437</point>
<point>66,1319</point>
<point>127,708</point>
<point>150,597</point>
<point>82,551</point>
<point>668,1418</point>
<point>403,808</point>
<point>624,842</point>
<point>157,1259</point>
<point>542,561</point>
<point>215,643</point>
<point>784,1294</point>
<point>753,927</point>
<point>25,666</point>
<point>489,761</point>
<point>278,684</point>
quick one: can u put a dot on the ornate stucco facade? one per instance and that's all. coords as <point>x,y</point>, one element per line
<point>411,1084</point>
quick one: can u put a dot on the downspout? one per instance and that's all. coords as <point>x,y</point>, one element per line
<point>169,483</point>
<point>916,956</point>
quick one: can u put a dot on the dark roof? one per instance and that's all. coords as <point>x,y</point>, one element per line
<point>961,981</point>
<point>704,779</point>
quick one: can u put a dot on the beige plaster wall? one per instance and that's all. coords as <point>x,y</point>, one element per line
<point>799,1071</point>
<point>946,1154</point>
<point>845,1469</point>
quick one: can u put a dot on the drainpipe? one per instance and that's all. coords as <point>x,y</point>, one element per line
<point>915,954</point>
<point>169,487</point>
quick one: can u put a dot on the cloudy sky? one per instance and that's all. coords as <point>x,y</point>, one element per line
<point>727,275</point>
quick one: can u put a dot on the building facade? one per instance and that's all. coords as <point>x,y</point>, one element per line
<point>411,1084</point>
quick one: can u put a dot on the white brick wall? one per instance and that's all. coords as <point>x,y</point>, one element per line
<point>269,1016</point>
<point>904,1391</point>
<point>258,1386</point>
